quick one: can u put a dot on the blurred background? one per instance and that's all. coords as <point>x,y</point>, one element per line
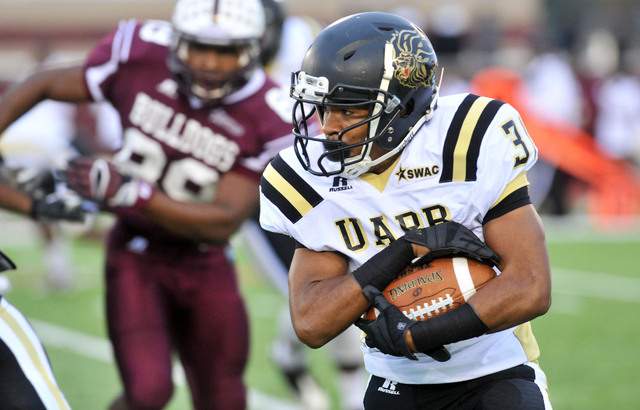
<point>571,67</point>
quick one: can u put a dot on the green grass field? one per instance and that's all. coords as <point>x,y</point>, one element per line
<point>589,339</point>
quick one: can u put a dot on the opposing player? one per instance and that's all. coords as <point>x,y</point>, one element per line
<point>26,381</point>
<point>399,173</point>
<point>199,119</point>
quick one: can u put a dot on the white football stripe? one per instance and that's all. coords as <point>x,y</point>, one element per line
<point>541,381</point>
<point>96,75</point>
<point>463,276</point>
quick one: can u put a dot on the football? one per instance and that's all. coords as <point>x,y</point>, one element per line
<point>444,284</point>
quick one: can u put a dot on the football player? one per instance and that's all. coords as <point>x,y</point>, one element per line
<point>399,173</point>
<point>273,252</point>
<point>200,121</point>
<point>26,378</point>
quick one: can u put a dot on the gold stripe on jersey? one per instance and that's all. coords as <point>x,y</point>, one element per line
<point>464,138</point>
<point>36,359</point>
<point>525,336</point>
<point>515,184</point>
<point>461,148</point>
<point>287,190</point>
<point>293,196</point>
<point>379,181</point>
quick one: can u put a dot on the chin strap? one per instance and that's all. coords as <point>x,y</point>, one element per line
<point>355,170</point>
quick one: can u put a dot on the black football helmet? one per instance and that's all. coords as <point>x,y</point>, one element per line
<point>375,60</point>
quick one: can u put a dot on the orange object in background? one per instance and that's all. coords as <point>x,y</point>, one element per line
<point>614,188</point>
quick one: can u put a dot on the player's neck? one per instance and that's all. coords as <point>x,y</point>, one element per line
<point>383,166</point>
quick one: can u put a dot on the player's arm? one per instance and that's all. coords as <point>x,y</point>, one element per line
<point>523,290</point>
<point>40,209</point>
<point>63,84</point>
<point>14,200</point>
<point>519,294</point>
<point>236,200</point>
<point>325,299</point>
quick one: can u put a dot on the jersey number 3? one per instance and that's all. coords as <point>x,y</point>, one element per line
<point>511,130</point>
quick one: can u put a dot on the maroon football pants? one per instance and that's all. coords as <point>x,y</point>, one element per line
<point>160,304</point>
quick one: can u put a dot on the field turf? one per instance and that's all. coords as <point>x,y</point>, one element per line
<point>589,339</point>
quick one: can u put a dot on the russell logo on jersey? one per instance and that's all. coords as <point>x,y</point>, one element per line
<point>340,184</point>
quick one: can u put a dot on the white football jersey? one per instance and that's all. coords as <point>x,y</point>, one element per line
<point>467,164</point>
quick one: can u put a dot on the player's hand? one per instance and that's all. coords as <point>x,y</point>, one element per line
<point>35,182</point>
<point>100,181</point>
<point>56,208</point>
<point>450,239</point>
<point>388,332</point>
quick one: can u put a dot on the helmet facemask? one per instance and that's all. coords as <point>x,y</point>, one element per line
<point>207,86</point>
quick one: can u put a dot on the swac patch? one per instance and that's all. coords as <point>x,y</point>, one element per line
<point>417,172</point>
<point>411,58</point>
<point>287,190</point>
<point>464,137</point>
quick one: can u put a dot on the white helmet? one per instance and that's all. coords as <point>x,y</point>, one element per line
<point>219,23</point>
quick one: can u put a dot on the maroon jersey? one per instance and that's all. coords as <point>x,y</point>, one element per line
<point>171,141</point>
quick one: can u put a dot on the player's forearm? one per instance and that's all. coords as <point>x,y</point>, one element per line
<point>325,308</point>
<point>61,85</point>
<point>514,298</point>
<point>523,290</point>
<point>201,222</point>
<point>14,200</point>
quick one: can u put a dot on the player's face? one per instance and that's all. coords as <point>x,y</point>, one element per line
<point>212,65</point>
<point>335,119</point>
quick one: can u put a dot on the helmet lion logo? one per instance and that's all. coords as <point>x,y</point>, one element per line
<point>411,59</point>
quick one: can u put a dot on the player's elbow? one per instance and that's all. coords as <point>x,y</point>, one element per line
<point>539,294</point>
<point>216,234</point>
<point>309,332</point>
<point>543,302</point>
<point>310,338</point>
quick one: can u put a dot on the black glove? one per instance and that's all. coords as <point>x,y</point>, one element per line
<point>36,182</point>
<point>386,332</point>
<point>451,239</point>
<point>53,208</point>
